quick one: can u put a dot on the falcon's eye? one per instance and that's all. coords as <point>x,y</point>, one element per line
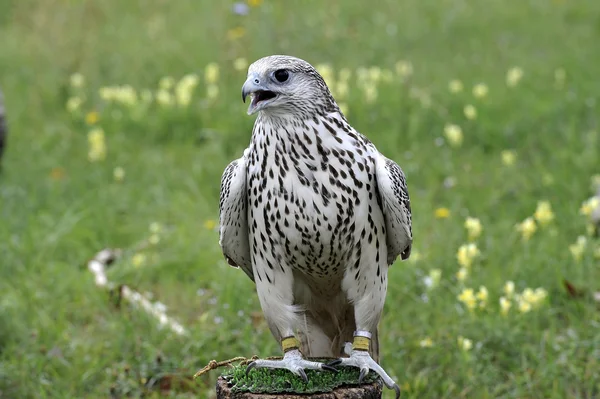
<point>281,75</point>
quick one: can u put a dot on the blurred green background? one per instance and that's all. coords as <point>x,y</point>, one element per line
<point>489,106</point>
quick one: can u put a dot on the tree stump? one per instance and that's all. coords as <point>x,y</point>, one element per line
<point>366,391</point>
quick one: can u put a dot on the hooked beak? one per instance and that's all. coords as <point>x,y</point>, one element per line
<point>261,97</point>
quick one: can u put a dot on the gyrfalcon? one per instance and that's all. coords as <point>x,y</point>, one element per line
<point>314,214</point>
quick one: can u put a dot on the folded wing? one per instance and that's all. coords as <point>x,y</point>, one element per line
<point>233,217</point>
<point>395,203</point>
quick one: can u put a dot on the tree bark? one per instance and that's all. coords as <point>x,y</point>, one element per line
<point>367,391</point>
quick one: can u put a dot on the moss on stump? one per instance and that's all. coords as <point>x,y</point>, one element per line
<point>274,383</point>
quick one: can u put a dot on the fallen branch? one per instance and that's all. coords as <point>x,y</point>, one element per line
<point>98,264</point>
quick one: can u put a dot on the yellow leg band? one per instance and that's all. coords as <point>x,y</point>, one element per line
<point>289,343</point>
<point>361,343</point>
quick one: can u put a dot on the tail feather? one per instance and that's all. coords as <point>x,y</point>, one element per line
<point>375,345</point>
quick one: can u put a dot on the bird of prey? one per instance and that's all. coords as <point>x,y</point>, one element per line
<point>314,214</point>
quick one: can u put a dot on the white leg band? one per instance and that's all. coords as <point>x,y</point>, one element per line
<point>365,334</point>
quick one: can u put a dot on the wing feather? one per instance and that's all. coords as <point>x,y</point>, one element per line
<point>233,217</point>
<point>393,192</point>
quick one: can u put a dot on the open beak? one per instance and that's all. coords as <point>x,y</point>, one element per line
<point>261,97</point>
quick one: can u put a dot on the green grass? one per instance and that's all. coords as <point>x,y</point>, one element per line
<point>62,337</point>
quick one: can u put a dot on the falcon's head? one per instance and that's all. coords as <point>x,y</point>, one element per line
<point>282,85</point>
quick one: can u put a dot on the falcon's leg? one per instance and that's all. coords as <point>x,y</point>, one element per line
<point>367,290</point>
<point>274,288</point>
<point>360,357</point>
<point>292,360</point>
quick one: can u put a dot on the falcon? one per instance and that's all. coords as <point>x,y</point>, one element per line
<point>314,214</point>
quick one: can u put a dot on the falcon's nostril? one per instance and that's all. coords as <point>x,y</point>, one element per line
<point>256,81</point>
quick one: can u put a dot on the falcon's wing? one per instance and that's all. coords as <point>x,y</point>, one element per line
<point>233,217</point>
<point>395,204</point>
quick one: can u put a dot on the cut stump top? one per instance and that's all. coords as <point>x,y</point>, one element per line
<point>366,391</point>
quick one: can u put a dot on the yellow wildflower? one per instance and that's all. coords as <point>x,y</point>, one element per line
<point>454,134</point>
<point>474,228</point>
<point>375,74</point>
<point>462,274</point>
<point>138,260</point>
<point>455,86</point>
<point>118,174</point>
<point>184,89</point>
<point>508,157</point>
<point>404,68</point>
<point>470,112</point>
<point>97,145</point>
<point>480,90</point>
<point>210,224</point>
<point>240,64</point>
<point>523,306</point>
<point>539,295</point>
<point>166,82</point>
<point>164,98</point>
<point>442,213</point>
<point>91,118</point>
<point>464,343</point>
<point>509,288</point>
<point>543,213</point>
<point>236,33</point>
<point>578,248</point>
<point>505,305</point>
<point>527,228</point>
<point>466,254</point>
<point>254,3</point>
<point>589,206</point>
<point>482,296</point>
<point>154,239</point>
<point>426,343</point>
<point>211,73</point>
<point>513,76</point>
<point>467,297</point>
<point>74,103</point>
<point>77,80</point>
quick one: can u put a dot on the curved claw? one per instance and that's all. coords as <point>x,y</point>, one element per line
<point>302,375</point>
<point>363,373</point>
<point>397,389</point>
<point>335,362</point>
<point>250,367</point>
<point>329,368</point>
